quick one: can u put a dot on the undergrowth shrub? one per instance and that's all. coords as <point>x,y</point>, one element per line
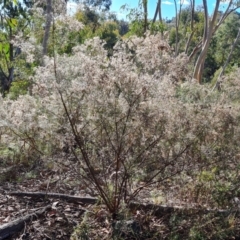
<point>134,121</point>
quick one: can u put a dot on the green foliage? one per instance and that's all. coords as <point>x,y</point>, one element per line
<point>136,28</point>
<point>19,87</point>
<point>211,65</point>
<point>108,32</point>
<point>172,36</point>
<point>123,27</point>
<point>93,27</point>
<point>136,20</point>
<point>81,231</point>
<point>13,15</point>
<point>224,40</point>
<point>88,17</point>
<point>185,29</point>
<point>158,27</point>
<point>8,153</point>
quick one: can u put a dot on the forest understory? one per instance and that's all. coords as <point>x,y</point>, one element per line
<point>31,208</point>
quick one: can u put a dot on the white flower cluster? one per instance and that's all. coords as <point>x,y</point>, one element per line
<point>68,23</point>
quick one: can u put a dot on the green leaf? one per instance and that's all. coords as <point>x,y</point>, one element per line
<point>5,48</point>
<point>12,22</point>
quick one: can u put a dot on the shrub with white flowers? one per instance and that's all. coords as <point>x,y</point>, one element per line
<point>134,116</point>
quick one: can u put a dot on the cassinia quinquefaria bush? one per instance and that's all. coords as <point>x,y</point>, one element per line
<point>132,111</point>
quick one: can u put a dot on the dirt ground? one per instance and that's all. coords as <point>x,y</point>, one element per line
<point>66,219</point>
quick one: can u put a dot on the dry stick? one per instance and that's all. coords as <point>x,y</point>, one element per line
<point>123,185</point>
<point>119,160</point>
<point>126,176</point>
<point>71,198</point>
<point>158,210</point>
<point>109,138</point>
<point>114,149</point>
<point>32,144</point>
<point>132,205</point>
<point>151,182</point>
<point>81,175</point>
<point>81,146</point>
<point>91,200</point>
<point>8,229</point>
<point>78,137</point>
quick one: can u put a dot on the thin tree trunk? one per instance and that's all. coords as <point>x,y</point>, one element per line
<point>192,2</point>
<point>230,54</point>
<point>160,15</point>
<point>208,31</point>
<point>158,10</point>
<point>228,59</point>
<point>227,12</point>
<point>47,26</point>
<point>145,9</point>
<point>177,25</point>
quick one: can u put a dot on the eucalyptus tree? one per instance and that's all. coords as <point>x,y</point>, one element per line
<point>225,38</point>
<point>51,10</point>
<point>145,14</point>
<point>211,22</point>
<point>211,25</point>
<point>47,26</point>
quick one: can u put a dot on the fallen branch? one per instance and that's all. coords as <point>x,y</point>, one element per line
<point>71,198</point>
<point>157,210</point>
<point>10,228</point>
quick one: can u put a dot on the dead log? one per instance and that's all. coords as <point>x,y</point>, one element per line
<point>70,198</point>
<point>17,225</point>
<point>157,210</point>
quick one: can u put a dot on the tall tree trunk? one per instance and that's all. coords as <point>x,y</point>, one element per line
<point>208,31</point>
<point>177,24</point>
<point>227,12</point>
<point>158,12</point>
<point>47,26</point>
<point>145,12</point>
<point>192,3</point>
